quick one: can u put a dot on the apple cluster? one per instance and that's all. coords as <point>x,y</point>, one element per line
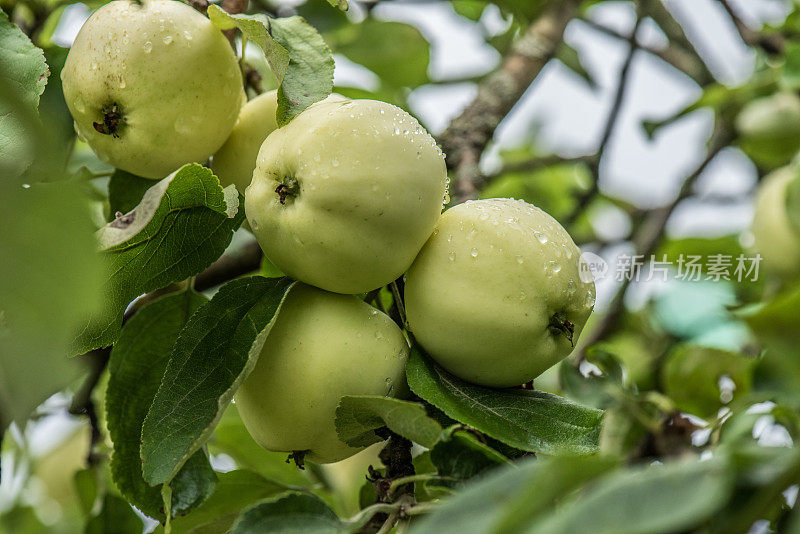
<point>346,199</point>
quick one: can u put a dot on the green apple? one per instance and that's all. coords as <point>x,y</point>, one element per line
<point>322,347</point>
<point>776,238</point>
<point>235,161</point>
<point>497,296</point>
<point>152,86</point>
<point>769,129</point>
<point>345,195</point>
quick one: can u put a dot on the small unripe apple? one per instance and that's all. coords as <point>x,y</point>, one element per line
<point>769,129</point>
<point>152,86</point>
<point>496,295</point>
<point>776,238</point>
<point>235,161</point>
<point>345,195</point>
<point>322,347</point>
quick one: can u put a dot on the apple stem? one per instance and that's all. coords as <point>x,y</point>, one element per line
<point>560,325</point>
<point>288,188</point>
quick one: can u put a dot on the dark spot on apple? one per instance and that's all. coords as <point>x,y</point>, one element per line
<point>112,121</point>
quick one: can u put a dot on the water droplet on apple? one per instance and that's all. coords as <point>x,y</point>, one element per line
<point>147,47</point>
<point>167,39</point>
<point>452,256</point>
<point>474,252</point>
<point>540,237</point>
<point>187,34</point>
<point>520,260</point>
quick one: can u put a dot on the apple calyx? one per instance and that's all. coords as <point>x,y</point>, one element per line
<point>559,324</point>
<point>298,457</point>
<point>289,188</point>
<point>112,120</point>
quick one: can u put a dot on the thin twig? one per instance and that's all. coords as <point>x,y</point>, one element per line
<point>675,56</point>
<point>771,43</point>
<point>649,235</point>
<point>608,130</point>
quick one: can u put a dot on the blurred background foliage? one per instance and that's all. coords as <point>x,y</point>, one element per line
<point>681,367</point>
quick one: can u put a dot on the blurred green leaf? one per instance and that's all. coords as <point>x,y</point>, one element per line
<point>182,225</point>
<point>658,498</point>
<point>50,280</point>
<point>136,368</point>
<point>235,491</point>
<point>692,378</point>
<point>775,325</point>
<point>376,44</point>
<point>23,75</point>
<point>116,516</point>
<point>21,520</point>
<point>471,9</point>
<point>506,499</point>
<point>214,353</point>
<point>87,489</point>
<point>550,188</point>
<point>529,420</point>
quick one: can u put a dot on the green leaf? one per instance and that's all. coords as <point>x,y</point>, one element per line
<point>182,225</point>
<point>374,44</point>
<point>212,356</point>
<point>791,64</point>
<point>341,4</point>
<point>471,9</point>
<point>117,516</point>
<point>235,491</point>
<point>50,277</point>
<point>136,367</point>
<point>529,420</point>
<point>357,417</point>
<point>506,498</point>
<point>775,325</point>
<point>125,192</point>
<point>86,489</point>
<point>659,498</point>
<point>461,456</point>
<point>23,75</point>
<point>691,376</point>
<point>297,55</point>
<point>292,513</point>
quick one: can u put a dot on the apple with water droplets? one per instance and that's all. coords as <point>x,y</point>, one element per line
<point>321,347</point>
<point>152,85</point>
<point>346,194</point>
<point>235,161</point>
<point>498,294</point>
